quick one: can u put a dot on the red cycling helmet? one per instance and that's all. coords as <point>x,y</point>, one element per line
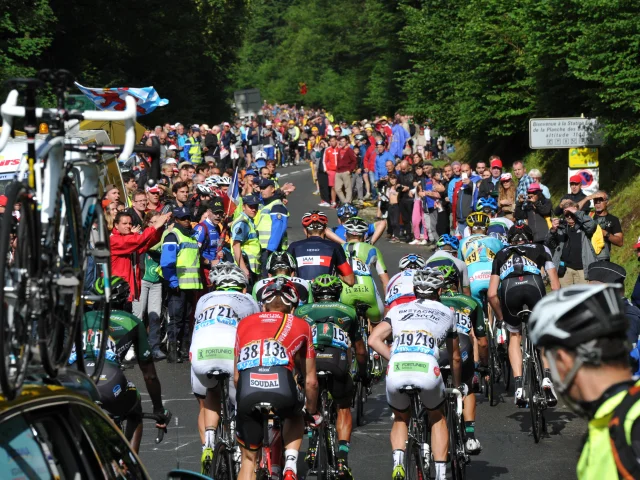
<point>313,218</point>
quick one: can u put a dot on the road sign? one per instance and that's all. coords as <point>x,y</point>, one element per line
<point>583,158</point>
<point>590,179</point>
<point>564,133</point>
<point>248,102</point>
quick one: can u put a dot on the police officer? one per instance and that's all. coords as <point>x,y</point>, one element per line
<point>180,263</point>
<point>244,238</point>
<point>582,331</point>
<point>192,147</point>
<point>272,223</point>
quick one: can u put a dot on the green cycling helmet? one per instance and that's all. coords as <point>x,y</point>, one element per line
<point>451,275</point>
<point>120,289</point>
<point>326,286</point>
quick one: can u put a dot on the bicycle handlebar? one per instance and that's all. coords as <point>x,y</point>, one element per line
<point>9,110</point>
<point>458,394</point>
<point>158,418</point>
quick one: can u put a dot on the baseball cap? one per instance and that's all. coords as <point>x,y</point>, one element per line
<point>251,172</point>
<point>195,128</point>
<point>216,204</point>
<point>226,124</point>
<point>181,212</point>
<point>607,272</point>
<point>250,200</point>
<point>110,187</point>
<point>534,187</point>
<point>505,177</point>
<point>154,189</point>
<point>265,182</point>
<point>575,179</point>
<point>496,163</point>
<point>3,200</point>
<point>171,161</point>
<point>205,127</point>
<point>637,245</point>
<point>368,126</point>
<point>379,142</point>
<point>360,137</point>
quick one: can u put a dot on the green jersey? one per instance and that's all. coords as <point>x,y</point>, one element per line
<point>468,313</point>
<point>333,324</point>
<point>125,330</point>
<point>363,258</point>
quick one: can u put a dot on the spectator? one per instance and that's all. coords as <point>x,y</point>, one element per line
<point>417,221</point>
<point>369,164</point>
<point>211,146</point>
<point>125,241</point>
<point>536,176</point>
<point>405,185</point>
<point>181,194</point>
<point>383,158</point>
<point>130,186</point>
<point>244,238</point>
<point>441,205</point>
<point>575,195</point>
<point>610,224</point>
<point>192,147</point>
<point>506,197</point>
<point>182,141</point>
<point>110,212</point>
<point>465,197</point>
<point>570,242</point>
<point>535,211</point>
<point>481,167</point>
<point>453,179</point>
<point>164,145</point>
<point>391,192</point>
<point>138,209</point>
<point>330,159</point>
<point>524,180</point>
<point>153,198</point>
<point>323,177</point>
<point>254,139</point>
<point>346,164</point>
<point>635,297</point>
<point>111,193</point>
<point>486,175</point>
<point>399,138</point>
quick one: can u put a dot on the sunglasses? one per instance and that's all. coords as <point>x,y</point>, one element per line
<point>574,183</point>
<point>598,200</point>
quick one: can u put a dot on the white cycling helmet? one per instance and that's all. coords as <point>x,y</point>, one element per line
<point>356,226</point>
<point>203,190</point>
<point>224,181</point>
<point>427,281</point>
<point>260,155</point>
<point>227,276</point>
<point>412,260</point>
<point>211,181</point>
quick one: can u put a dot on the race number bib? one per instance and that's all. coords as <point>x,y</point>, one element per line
<point>94,337</point>
<point>330,334</point>
<point>340,338</point>
<point>217,314</point>
<point>463,322</point>
<point>414,341</point>
<point>266,353</point>
<point>359,267</point>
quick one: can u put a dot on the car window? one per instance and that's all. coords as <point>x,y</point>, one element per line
<point>21,455</point>
<point>115,454</point>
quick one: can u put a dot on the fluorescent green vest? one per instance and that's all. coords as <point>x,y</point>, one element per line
<point>597,461</point>
<point>251,246</point>
<point>264,225</point>
<point>195,151</point>
<point>188,262</point>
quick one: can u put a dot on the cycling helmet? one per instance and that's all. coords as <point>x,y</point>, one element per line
<point>211,181</point>
<point>346,211</point>
<point>280,260</point>
<point>427,281</point>
<point>450,274</point>
<point>326,286</point>
<point>227,276</point>
<point>487,205</point>
<point>413,260</point>
<point>356,226</point>
<point>520,233</point>
<point>120,289</point>
<point>224,181</point>
<point>500,236</point>
<point>260,155</point>
<point>282,288</point>
<point>315,220</point>
<point>203,190</point>
<point>450,240</point>
<point>478,220</point>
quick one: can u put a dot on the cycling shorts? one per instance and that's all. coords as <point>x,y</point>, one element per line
<point>119,397</point>
<point>200,390</point>
<point>336,361</point>
<point>364,292</point>
<point>274,385</point>
<point>479,276</point>
<point>211,349</point>
<point>468,367</point>
<point>419,370</point>
<point>516,293</point>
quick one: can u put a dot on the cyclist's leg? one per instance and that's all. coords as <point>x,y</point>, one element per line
<point>200,392</point>
<point>133,431</point>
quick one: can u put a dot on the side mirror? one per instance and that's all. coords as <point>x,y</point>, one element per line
<point>185,475</point>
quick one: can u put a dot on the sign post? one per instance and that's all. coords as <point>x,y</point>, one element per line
<point>564,133</point>
<point>248,102</point>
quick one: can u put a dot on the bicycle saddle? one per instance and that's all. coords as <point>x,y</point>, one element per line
<point>219,374</point>
<point>410,389</point>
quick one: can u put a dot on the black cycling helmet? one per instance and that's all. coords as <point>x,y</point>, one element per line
<point>520,232</point>
<point>328,287</point>
<point>281,260</point>
<point>450,274</point>
<point>120,290</point>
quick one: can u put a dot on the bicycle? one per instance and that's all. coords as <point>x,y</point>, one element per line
<point>360,392</point>
<point>532,375</point>
<point>417,458</point>
<point>457,433</point>
<point>264,470</point>
<point>325,466</point>
<point>43,260</point>
<point>218,462</point>
<point>499,367</point>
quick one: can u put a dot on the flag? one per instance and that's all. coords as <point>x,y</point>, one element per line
<point>234,188</point>
<point>114,98</point>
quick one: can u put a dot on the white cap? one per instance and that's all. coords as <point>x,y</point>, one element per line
<point>171,161</point>
<point>172,147</point>
<point>268,123</point>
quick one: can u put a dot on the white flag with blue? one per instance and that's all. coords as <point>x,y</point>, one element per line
<point>114,98</point>
<point>234,188</point>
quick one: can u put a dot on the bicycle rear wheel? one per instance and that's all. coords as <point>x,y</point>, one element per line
<point>361,394</point>
<point>222,469</point>
<point>322,456</point>
<point>413,464</point>
<point>492,373</point>
<point>19,286</point>
<point>535,396</point>
<point>65,252</point>
<point>458,467</point>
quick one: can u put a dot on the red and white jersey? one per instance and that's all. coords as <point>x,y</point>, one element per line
<point>272,339</point>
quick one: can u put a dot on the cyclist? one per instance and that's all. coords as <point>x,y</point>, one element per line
<point>316,255</point>
<point>516,273</point>
<point>282,264</point>
<point>419,328</point>
<point>500,225</point>
<point>372,234</point>
<point>268,347</point>
<point>363,259</point>
<point>469,316</point>
<point>335,329</point>
<point>447,254</point>
<point>400,289</point>
<point>217,316</point>
<point>119,397</point>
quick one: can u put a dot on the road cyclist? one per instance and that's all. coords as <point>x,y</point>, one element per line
<point>446,253</point>
<point>401,289</point>
<point>282,264</point>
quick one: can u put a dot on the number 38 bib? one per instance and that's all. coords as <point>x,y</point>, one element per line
<point>262,353</point>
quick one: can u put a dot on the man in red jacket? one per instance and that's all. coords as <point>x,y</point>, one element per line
<point>369,163</point>
<point>124,243</point>
<point>330,163</point>
<point>347,163</point>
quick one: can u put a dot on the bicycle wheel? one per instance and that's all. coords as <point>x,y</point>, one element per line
<point>322,456</point>
<point>19,289</point>
<point>535,395</point>
<point>222,468</point>
<point>457,469</point>
<point>65,251</point>
<point>413,464</point>
<point>361,395</point>
<point>506,368</point>
<point>492,374</point>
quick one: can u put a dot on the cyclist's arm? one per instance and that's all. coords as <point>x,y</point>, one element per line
<point>377,338</point>
<point>343,267</point>
<point>551,270</point>
<point>310,376</point>
<point>331,235</point>
<point>381,226</point>
<point>381,268</point>
<point>453,348</point>
<point>492,295</point>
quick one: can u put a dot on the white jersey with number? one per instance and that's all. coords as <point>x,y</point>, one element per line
<point>214,334</point>
<point>400,288</point>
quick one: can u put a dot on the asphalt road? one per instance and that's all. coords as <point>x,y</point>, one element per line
<point>508,451</point>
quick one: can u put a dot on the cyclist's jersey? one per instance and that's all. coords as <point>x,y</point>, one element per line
<point>400,289</point>
<point>442,257</point>
<point>125,329</point>
<point>223,309</point>
<point>499,225</point>
<point>303,288</point>
<point>342,233</point>
<point>333,324</point>
<point>478,249</point>
<point>468,313</point>
<point>519,260</point>
<point>419,328</point>
<point>317,256</point>
<point>270,339</point>
<point>363,257</point>
<point>208,237</point>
